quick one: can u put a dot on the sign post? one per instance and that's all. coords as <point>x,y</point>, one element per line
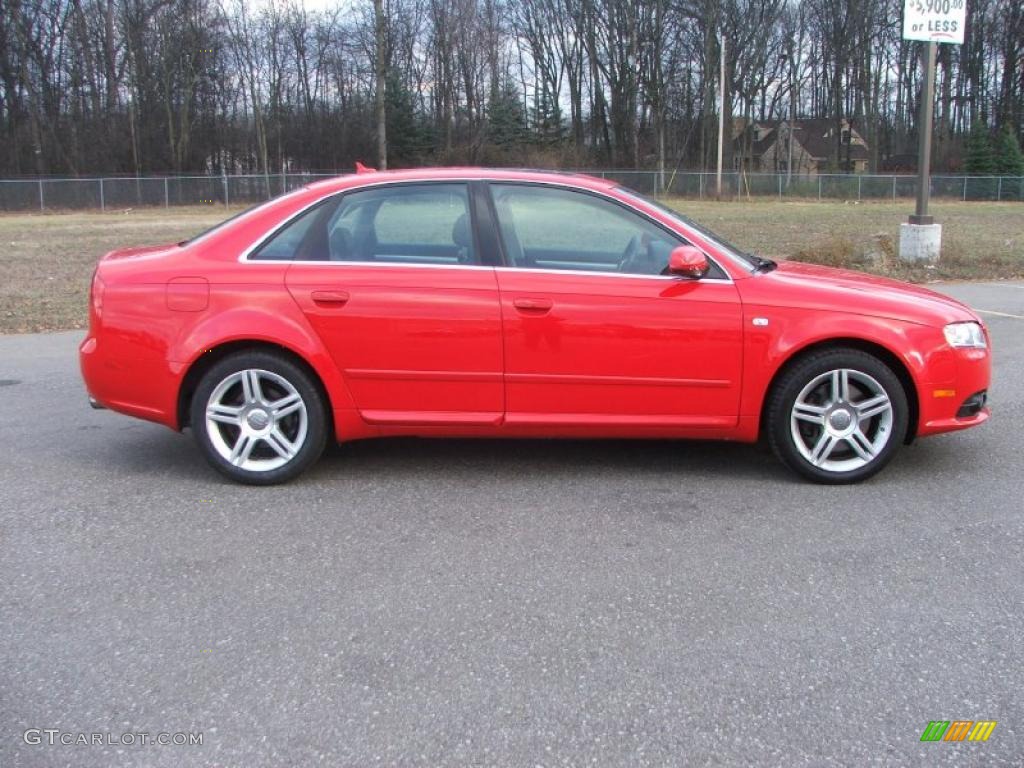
<point>934,22</point>
<point>924,148</point>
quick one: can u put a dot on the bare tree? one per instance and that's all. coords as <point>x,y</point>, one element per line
<point>140,86</point>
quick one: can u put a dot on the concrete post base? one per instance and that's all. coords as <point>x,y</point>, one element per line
<point>920,242</point>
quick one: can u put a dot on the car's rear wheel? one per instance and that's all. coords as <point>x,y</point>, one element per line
<point>837,416</point>
<point>259,418</point>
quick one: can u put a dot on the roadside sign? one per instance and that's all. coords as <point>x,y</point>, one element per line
<point>935,21</point>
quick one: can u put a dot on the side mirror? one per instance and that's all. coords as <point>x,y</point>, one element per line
<point>687,261</point>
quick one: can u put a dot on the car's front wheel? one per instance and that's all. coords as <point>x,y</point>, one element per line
<point>837,416</point>
<point>259,418</point>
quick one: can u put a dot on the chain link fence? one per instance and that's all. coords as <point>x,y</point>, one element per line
<point>165,191</point>
<point>128,192</point>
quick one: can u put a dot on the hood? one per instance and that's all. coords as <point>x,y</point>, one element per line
<point>816,287</point>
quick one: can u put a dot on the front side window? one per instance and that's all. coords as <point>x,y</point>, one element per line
<point>404,224</point>
<point>734,253</point>
<point>551,228</point>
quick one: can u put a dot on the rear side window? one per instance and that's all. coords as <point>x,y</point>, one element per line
<point>423,225</point>
<point>403,224</point>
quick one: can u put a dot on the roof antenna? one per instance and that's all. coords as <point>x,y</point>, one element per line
<point>360,168</point>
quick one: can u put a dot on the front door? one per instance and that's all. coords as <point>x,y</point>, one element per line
<point>391,280</point>
<point>594,334</point>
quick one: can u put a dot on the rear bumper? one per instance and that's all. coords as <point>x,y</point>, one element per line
<point>127,384</point>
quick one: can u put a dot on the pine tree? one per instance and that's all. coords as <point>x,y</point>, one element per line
<point>506,119</point>
<point>546,119</point>
<point>980,155</point>
<point>407,136</point>
<point>1009,160</point>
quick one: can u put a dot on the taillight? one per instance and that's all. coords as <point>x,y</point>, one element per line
<point>96,289</point>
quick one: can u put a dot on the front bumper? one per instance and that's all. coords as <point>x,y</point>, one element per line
<point>959,399</point>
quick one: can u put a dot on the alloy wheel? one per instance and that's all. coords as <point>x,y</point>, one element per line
<point>256,420</point>
<point>841,420</point>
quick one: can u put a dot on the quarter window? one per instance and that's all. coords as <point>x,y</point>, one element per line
<point>286,243</point>
<point>548,228</point>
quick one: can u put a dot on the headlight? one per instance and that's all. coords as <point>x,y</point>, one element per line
<point>965,335</point>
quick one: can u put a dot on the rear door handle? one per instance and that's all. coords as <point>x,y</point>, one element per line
<point>538,306</point>
<point>330,298</point>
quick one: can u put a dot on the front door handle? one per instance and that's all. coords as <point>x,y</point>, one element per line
<point>535,306</point>
<point>330,298</point>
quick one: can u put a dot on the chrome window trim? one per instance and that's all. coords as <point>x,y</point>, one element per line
<point>540,271</point>
<point>400,264</point>
<point>244,256</point>
<point>598,273</point>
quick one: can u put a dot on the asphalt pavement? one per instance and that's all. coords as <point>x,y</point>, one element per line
<point>534,603</point>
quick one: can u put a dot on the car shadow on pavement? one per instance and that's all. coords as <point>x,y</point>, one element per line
<point>551,459</point>
<point>146,451</point>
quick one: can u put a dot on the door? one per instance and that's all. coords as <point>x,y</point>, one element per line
<point>594,334</point>
<point>391,280</point>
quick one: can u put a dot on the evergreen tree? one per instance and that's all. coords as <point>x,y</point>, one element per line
<point>980,155</point>
<point>506,119</point>
<point>407,136</point>
<point>1009,159</point>
<point>546,118</point>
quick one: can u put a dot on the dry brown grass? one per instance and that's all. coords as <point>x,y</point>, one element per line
<point>46,259</point>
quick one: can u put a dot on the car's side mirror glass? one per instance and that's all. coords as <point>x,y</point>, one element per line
<point>687,261</point>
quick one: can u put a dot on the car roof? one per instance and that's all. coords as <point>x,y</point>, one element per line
<point>461,174</point>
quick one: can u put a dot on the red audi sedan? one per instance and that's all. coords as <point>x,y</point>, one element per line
<point>493,303</point>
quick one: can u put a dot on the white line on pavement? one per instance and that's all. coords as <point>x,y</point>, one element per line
<point>1000,314</point>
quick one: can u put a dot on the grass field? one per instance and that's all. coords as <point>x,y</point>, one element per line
<point>46,259</point>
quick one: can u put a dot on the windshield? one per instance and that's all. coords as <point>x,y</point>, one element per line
<point>744,258</point>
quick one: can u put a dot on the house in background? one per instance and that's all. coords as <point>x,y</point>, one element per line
<point>762,146</point>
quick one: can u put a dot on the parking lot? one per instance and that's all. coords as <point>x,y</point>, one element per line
<point>417,602</point>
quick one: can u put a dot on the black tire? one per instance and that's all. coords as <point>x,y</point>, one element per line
<point>314,436</point>
<point>780,418</point>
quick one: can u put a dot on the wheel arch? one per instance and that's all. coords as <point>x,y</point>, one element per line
<point>880,351</point>
<point>210,357</point>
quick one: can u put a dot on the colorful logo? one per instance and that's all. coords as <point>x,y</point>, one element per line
<point>958,730</point>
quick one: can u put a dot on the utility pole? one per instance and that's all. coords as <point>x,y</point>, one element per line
<point>792,126</point>
<point>380,33</point>
<point>721,113</point>
<point>785,57</point>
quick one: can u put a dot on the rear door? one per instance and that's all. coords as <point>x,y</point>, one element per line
<point>595,334</point>
<point>391,279</point>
